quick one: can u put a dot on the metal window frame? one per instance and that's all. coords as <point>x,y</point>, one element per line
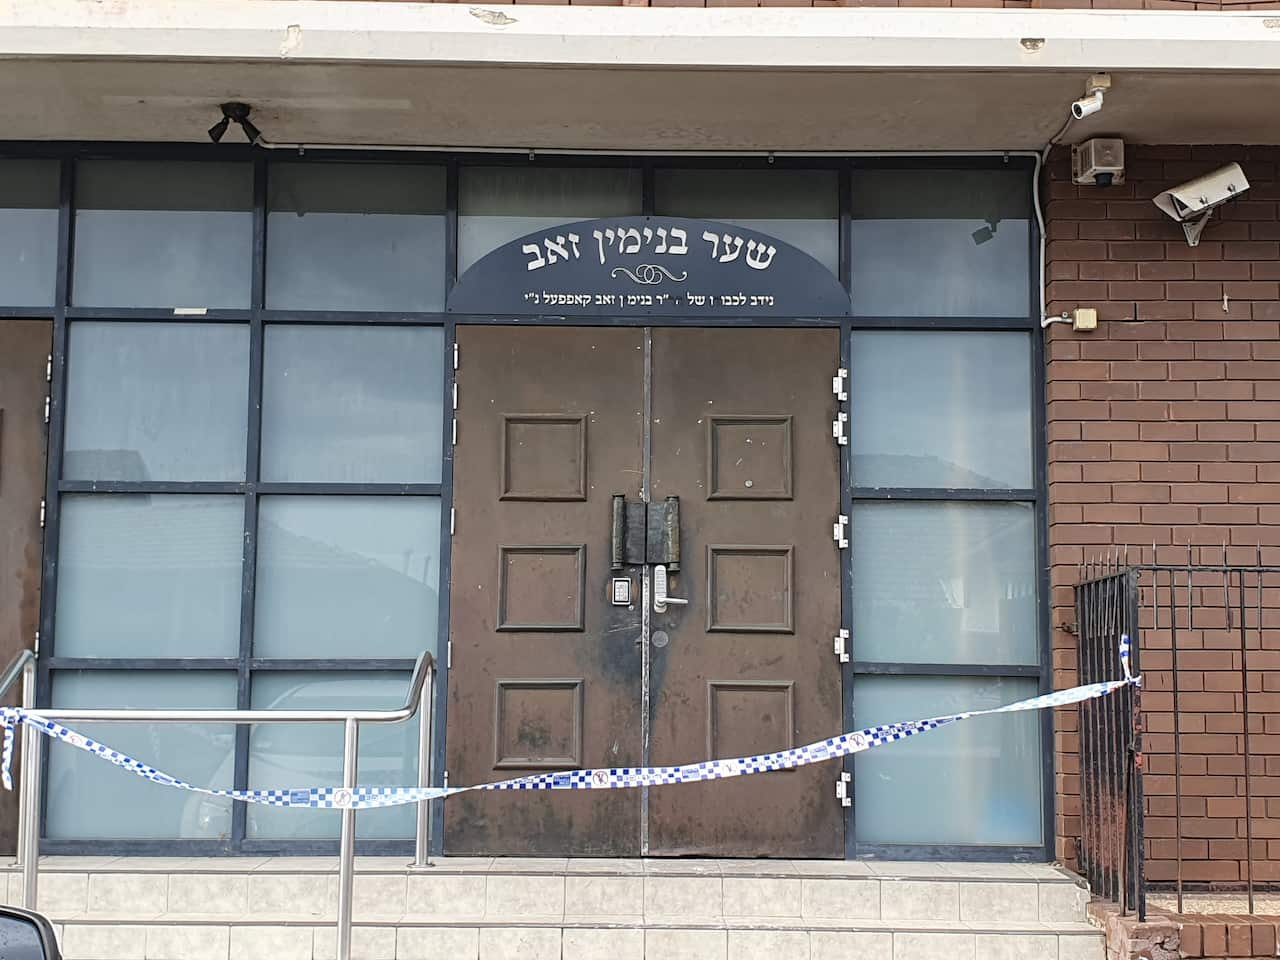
<point>61,312</point>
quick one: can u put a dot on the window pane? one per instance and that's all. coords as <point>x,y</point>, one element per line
<point>944,582</point>
<point>156,401</point>
<point>347,576</point>
<point>28,232</point>
<point>90,798</point>
<point>800,207</point>
<point>163,234</point>
<point>499,204</point>
<point>149,576</point>
<point>352,404</point>
<point>941,410</point>
<point>283,756</point>
<point>988,768</point>
<point>355,237</point>
<point>946,243</point>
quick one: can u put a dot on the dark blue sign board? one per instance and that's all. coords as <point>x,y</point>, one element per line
<point>652,267</point>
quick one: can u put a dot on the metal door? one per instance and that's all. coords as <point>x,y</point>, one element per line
<point>546,671</point>
<point>742,435</point>
<point>24,352</point>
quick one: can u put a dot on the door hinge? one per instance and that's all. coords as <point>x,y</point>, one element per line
<point>455,431</point>
<point>837,385</point>
<point>455,394</point>
<point>838,531</point>
<point>48,369</point>
<point>455,355</point>
<point>838,428</point>
<point>841,646</point>
<point>842,789</point>
<point>42,506</point>
<point>453,520</point>
<point>46,408</point>
<point>446,778</point>
<point>448,655</point>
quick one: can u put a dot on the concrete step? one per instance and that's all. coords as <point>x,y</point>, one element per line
<point>485,909</point>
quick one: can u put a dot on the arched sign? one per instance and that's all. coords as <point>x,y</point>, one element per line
<point>649,266</point>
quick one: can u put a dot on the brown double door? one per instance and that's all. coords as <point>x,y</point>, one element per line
<point>555,669</point>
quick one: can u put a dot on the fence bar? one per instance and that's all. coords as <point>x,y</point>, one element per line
<point>1177,724</point>
<point>422,839</point>
<point>347,849</point>
<point>29,794</point>
<point>1244,703</point>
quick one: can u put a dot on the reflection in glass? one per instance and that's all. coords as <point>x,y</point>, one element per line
<point>347,576</point>
<point>945,243</point>
<point>89,798</point>
<point>149,575</point>
<point>286,755</point>
<point>163,234</point>
<point>799,207</point>
<point>352,404</point>
<point>944,582</point>
<point>156,401</point>
<point>355,237</point>
<point>28,232</point>
<point>973,782</point>
<point>499,204</point>
<point>941,409</point>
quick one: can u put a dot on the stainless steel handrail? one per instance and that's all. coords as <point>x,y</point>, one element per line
<point>30,775</point>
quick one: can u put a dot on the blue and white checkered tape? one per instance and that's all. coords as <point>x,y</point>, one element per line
<point>361,798</point>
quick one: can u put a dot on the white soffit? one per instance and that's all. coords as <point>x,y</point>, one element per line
<point>622,78</point>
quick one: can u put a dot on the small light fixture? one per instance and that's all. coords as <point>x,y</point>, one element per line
<point>235,112</point>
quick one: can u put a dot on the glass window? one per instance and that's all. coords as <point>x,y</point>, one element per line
<point>944,582</point>
<point>283,755</point>
<point>800,207</point>
<point>347,576</point>
<point>91,799</point>
<point>28,232</point>
<point>156,401</point>
<point>941,409</point>
<point>143,575</point>
<point>163,234</point>
<point>499,204</point>
<point>988,769</point>
<point>355,237</point>
<point>945,243</point>
<point>352,404</point>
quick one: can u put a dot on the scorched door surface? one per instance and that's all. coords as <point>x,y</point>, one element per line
<point>549,674</point>
<point>546,672</point>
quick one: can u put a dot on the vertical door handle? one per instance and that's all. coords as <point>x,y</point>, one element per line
<point>660,598</point>
<point>618,533</point>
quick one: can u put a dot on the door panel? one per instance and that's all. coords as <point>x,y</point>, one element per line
<point>24,348</point>
<point>546,673</point>
<point>741,434</point>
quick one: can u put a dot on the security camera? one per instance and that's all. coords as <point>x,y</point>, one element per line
<point>1087,106</point>
<point>1094,88</point>
<point>1192,203</point>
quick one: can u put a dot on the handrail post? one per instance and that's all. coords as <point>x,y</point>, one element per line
<point>29,794</point>
<point>422,854</point>
<point>347,848</point>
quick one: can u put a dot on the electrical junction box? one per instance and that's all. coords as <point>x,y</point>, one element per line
<point>1098,162</point>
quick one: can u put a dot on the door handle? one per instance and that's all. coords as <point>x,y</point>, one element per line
<point>660,598</point>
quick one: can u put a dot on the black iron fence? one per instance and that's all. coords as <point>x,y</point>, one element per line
<point>1111,802</point>
<point>1180,782</point>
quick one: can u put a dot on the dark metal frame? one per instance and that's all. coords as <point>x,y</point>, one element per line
<point>258,316</point>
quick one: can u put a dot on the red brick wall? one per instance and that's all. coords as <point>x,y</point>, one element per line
<point>1164,430</point>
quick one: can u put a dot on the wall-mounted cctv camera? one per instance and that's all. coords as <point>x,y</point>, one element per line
<point>1097,85</point>
<point>1192,203</point>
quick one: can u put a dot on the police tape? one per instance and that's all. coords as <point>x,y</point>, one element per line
<point>363,798</point>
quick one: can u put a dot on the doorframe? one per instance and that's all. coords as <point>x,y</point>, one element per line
<point>62,312</point>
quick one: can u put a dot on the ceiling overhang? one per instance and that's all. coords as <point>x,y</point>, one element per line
<point>627,79</point>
